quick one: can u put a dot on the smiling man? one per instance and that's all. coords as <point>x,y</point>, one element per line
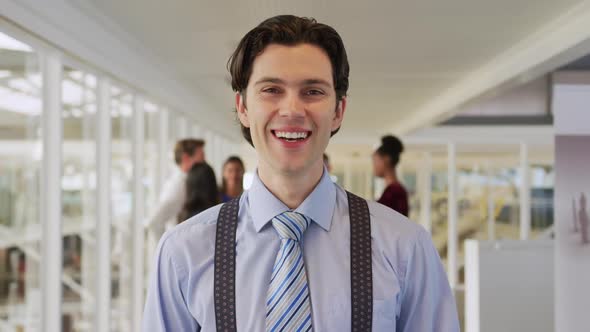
<point>296,252</point>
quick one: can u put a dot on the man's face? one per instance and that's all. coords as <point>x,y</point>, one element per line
<point>188,161</point>
<point>290,107</point>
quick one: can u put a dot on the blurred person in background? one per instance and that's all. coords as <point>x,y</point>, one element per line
<point>187,152</point>
<point>385,160</point>
<point>201,191</point>
<point>232,182</point>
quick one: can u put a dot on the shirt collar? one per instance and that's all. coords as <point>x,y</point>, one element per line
<point>319,205</point>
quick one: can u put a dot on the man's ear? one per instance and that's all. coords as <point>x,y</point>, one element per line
<point>339,114</point>
<point>242,111</point>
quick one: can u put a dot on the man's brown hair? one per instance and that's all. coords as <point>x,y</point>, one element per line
<point>187,146</point>
<point>288,30</point>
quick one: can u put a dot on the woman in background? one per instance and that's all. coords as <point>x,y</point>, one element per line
<point>201,191</point>
<point>385,160</point>
<point>232,179</point>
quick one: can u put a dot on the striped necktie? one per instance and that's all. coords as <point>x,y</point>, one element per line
<point>288,306</point>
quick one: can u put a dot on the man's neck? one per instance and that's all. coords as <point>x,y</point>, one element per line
<point>184,168</point>
<point>291,188</point>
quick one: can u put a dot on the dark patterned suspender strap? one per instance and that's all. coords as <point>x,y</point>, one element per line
<point>361,268</point>
<point>225,267</point>
<point>360,263</point>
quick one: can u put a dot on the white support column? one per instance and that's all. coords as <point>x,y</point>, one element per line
<point>103,206</point>
<point>525,193</point>
<point>137,229</point>
<point>491,205</point>
<point>425,190</point>
<point>51,212</point>
<point>472,286</point>
<point>163,154</point>
<point>452,215</point>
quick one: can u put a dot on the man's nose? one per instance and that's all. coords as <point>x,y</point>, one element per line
<point>292,106</point>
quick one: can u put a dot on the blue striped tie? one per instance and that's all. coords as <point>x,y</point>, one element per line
<point>288,305</point>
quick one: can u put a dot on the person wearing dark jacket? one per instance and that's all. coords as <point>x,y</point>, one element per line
<point>385,160</point>
<point>201,191</point>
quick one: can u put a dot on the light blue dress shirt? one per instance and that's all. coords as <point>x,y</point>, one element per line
<point>410,288</point>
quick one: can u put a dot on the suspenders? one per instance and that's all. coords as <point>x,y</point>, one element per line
<point>361,273</point>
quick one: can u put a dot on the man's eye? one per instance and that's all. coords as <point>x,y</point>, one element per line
<point>271,90</point>
<point>314,92</point>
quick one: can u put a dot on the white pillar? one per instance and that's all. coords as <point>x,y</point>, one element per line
<point>491,205</point>
<point>89,220</point>
<point>51,212</point>
<point>425,190</point>
<point>472,286</point>
<point>452,216</point>
<point>103,206</point>
<point>525,193</point>
<point>137,229</point>
<point>163,154</point>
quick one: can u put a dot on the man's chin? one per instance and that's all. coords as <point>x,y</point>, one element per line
<point>291,169</point>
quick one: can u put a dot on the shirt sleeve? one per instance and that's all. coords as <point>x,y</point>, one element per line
<point>166,308</point>
<point>427,301</point>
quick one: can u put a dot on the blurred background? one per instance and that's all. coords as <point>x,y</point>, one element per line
<point>94,95</point>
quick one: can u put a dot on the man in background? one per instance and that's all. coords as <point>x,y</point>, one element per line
<point>187,152</point>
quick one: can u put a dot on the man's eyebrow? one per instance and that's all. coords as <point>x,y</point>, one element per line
<point>309,81</point>
<point>318,81</point>
<point>270,80</point>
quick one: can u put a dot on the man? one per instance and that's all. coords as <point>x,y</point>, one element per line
<point>292,253</point>
<point>187,152</point>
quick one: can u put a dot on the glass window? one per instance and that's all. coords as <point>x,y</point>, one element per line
<point>151,176</point>
<point>506,203</point>
<point>542,191</point>
<point>409,179</point>
<point>122,206</point>
<point>21,153</point>
<point>79,197</point>
<point>173,137</point>
<point>440,197</point>
<point>150,170</point>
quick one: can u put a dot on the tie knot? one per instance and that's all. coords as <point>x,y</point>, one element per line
<point>291,225</point>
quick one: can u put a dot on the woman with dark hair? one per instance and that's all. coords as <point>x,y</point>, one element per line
<point>201,191</point>
<point>232,179</point>
<point>385,160</point>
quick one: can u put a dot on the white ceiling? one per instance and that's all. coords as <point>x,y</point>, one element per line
<point>403,54</point>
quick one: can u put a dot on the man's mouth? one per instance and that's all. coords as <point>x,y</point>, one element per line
<point>291,136</point>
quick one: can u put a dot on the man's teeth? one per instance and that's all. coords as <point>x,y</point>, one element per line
<point>291,135</point>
